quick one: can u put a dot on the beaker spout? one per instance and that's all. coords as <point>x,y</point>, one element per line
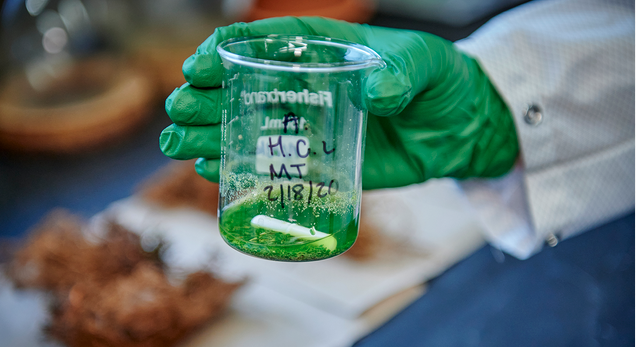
<point>373,65</point>
<point>378,63</point>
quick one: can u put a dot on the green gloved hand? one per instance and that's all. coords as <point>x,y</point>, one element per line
<point>432,111</point>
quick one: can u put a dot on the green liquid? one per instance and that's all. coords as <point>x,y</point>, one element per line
<point>334,214</point>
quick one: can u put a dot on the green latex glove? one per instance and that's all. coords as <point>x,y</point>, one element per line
<point>432,111</point>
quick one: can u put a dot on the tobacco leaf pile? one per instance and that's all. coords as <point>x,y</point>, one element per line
<point>108,291</point>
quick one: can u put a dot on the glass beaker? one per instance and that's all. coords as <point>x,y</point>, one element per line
<point>293,131</point>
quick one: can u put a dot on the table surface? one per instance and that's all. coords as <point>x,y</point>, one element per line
<point>580,293</point>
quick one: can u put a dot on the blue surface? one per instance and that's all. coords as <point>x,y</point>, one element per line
<point>579,293</point>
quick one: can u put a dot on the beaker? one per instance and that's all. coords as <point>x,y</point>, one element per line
<point>293,132</point>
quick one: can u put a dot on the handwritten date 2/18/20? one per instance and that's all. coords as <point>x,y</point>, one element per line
<point>300,192</point>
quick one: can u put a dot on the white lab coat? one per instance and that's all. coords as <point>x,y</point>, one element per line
<point>573,60</point>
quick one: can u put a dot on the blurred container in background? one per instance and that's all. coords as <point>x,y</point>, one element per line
<point>66,83</point>
<point>81,74</point>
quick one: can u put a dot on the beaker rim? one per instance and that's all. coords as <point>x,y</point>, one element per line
<point>373,59</point>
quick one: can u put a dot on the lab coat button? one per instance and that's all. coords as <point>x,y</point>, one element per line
<point>552,240</point>
<point>533,115</point>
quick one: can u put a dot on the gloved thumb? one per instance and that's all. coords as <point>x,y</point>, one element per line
<point>388,90</point>
<point>408,68</point>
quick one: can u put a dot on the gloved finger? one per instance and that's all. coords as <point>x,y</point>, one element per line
<point>388,90</point>
<point>409,68</point>
<point>189,142</point>
<point>208,169</point>
<point>386,160</point>
<point>204,69</point>
<point>188,105</point>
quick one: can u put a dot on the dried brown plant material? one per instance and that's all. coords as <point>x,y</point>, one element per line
<point>178,185</point>
<point>111,292</point>
<point>369,239</point>
<point>139,310</point>
<point>57,254</point>
<point>53,256</point>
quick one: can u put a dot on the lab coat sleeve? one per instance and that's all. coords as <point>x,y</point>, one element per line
<point>572,63</point>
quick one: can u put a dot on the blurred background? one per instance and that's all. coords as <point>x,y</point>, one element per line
<point>82,87</point>
<point>84,81</point>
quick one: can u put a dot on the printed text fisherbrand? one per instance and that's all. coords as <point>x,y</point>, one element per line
<point>322,98</point>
